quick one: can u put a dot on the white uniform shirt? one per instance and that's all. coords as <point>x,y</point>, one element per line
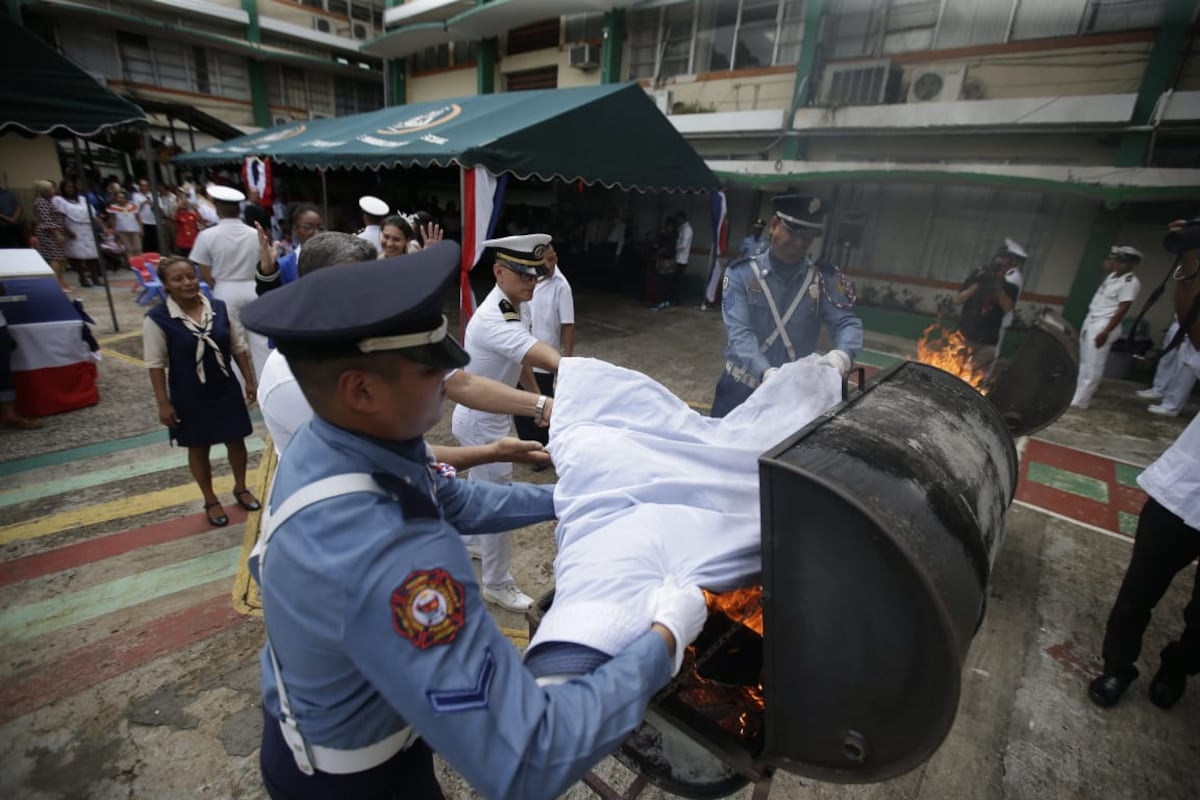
<point>230,247</point>
<point>145,208</point>
<point>1115,290</point>
<point>207,211</point>
<point>498,341</point>
<point>552,307</point>
<point>683,244</point>
<point>284,406</point>
<point>1174,479</point>
<point>1014,277</point>
<point>372,234</point>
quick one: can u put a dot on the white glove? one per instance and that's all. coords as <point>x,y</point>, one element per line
<point>838,360</point>
<point>682,611</point>
<point>767,373</point>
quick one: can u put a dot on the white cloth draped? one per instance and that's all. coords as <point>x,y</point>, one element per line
<point>649,488</point>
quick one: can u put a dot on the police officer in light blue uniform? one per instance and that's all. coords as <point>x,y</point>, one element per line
<point>756,242</point>
<point>379,647</point>
<point>775,303</point>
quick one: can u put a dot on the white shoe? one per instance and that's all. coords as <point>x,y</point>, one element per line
<point>475,552</point>
<point>1162,411</point>
<point>509,597</point>
<point>1149,394</point>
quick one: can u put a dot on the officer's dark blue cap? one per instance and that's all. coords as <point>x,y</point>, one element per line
<point>800,213</point>
<point>392,304</point>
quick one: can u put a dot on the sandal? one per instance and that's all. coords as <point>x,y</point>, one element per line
<point>253,505</point>
<point>220,521</point>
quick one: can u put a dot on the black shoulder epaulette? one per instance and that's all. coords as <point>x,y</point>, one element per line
<point>415,503</point>
<point>826,266</point>
<point>510,313</point>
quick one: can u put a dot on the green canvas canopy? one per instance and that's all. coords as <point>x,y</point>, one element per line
<point>611,135</point>
<point>43,92</point>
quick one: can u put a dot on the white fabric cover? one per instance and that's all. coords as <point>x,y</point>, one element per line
<point>649,488</point>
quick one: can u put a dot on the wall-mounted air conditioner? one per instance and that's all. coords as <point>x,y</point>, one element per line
<point>936,84</point>
<point>584,56</point>
<point>860,83</point>
<point>323,25</point>
<point>360,30</point>
<point>662,99</point>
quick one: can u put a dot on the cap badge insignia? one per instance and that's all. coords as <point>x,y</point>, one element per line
<point>814,205</point>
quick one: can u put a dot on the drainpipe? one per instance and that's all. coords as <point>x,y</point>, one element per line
<point>396,71</point>
<point>257,69</point>
<point>614,44</point>
<point>485,66</point>
<point>794,147</point>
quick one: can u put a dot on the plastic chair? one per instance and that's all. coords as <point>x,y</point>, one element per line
<point>151,287</point>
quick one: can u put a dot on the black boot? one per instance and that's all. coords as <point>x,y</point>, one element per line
<point>1167,687</point>
<point>1108,687</point>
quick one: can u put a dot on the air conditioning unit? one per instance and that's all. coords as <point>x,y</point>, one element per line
<point>323,25</point>
<point>280,119</point>
<point>860,83</point>
<point>662,99</point>
<point>585,56</point>
<point>940,84</point>
<point>361,31</point>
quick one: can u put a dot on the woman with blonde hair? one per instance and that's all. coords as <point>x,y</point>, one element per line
<point>49,229</point>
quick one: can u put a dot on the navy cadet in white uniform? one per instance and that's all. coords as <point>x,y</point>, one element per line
<point>379,647</point>
<point>775,302</point>
<point>373,211</point>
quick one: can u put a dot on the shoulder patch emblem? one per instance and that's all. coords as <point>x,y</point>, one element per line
<point>510,313</point>
<point>429,608</point>
<point>725,284</point>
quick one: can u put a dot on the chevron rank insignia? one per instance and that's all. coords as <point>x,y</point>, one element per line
<point>429,608</point>
<point>467,698</point>
<point>510,313</point>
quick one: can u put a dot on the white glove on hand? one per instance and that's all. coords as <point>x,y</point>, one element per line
<point>682,611</point>
<point>767,373</point>
<point>836,359</point>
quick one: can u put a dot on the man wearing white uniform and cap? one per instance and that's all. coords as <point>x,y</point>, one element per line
<point>1102,325</point>
<point>502,347</point>
<point>1173,381</point>
<point>227,255</point>
<point>374,210</point>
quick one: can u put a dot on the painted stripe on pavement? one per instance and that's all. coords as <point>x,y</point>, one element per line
<point>1127,475</point>
<point>114,509</point>
<point>176,459</point>
<point>1094,528</point>
<point>114,655</point>
<point>1128,523</point>
<point>158,436</point>
<point>1072,482</point>
<point>102,547</point>
<point>119,356</point>
<point>71,608</point>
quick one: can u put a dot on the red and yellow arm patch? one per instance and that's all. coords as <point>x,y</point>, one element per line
<point>428,608</point>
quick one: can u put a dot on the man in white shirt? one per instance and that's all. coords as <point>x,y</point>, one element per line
<point>373,210</point>
<point>1173,381</point>
<point>1168,532</point>
<point>502,347</point>
<point>683,253</point>
<point>1102,326</point>
<point>227,256</point>
<point>144,200</point>
<point>553,308</point>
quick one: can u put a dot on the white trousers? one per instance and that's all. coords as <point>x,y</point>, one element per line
<point>236,295</point>
<point>475,428</point>
<point>1091,359</point>
<point>1173,379</point>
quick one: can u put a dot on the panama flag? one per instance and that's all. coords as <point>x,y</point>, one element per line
<point>483,194</point>
<point>256,175</point>
<point>720,238</point>
<point>52,367</point>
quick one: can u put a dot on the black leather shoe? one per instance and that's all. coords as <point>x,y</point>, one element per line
<point>1166,688</point>
<point>1107,689</point>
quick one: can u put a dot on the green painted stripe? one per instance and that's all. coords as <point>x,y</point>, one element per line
<point>124,472</point>
<point>1071,482</point>
<point>1127,474</point>
<point>91,450</point>
<point>71,608</point>
<point>1128,523</point>
<point>874,358</point>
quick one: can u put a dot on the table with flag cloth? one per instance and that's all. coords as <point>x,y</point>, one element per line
<point>53,370</point>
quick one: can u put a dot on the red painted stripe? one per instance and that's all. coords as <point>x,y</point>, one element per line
<point>83,668</point>
<point>1067,504</point>
<point>1127,499</point>
<point>1071,460</point>
<point>77,555</point>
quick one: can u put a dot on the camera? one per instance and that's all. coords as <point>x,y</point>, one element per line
<point>1185,239</point>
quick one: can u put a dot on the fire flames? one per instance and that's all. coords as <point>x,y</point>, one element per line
<point>740,605</point>
<point>948,351</point>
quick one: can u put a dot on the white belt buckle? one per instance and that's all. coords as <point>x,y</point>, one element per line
<point>299,747</point>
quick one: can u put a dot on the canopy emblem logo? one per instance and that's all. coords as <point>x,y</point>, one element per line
<point>421,122</point>
<point>279,136</point>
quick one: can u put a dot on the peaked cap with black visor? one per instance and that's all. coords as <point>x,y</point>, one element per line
<point>524,254</point>
<point>391,304</point>
<point>800,213</point>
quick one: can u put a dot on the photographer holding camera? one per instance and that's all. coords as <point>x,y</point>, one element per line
<point>1168,532</point>
<point>988,297</point>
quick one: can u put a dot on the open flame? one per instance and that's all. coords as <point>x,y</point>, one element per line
<point>948,351</point>
<point>741,605</point>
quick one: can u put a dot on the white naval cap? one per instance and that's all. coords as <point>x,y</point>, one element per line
<point>373,206</point>
<point>1012,248</point>
<point>524,254</point>
<point>224,194</point>
<point>1125,253</point>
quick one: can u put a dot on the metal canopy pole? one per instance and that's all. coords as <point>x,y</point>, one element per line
<point>152,176</point>
<point>82,183</point>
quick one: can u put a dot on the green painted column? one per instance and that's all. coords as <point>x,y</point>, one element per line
<point>614,45</point>
<point>794,146</point>
<point>257,69</point>
<point>485,66</point>
<point>1169,47</point>
<point>397,76</point>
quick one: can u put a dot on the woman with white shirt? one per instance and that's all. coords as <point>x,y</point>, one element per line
<point>81,241</point>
